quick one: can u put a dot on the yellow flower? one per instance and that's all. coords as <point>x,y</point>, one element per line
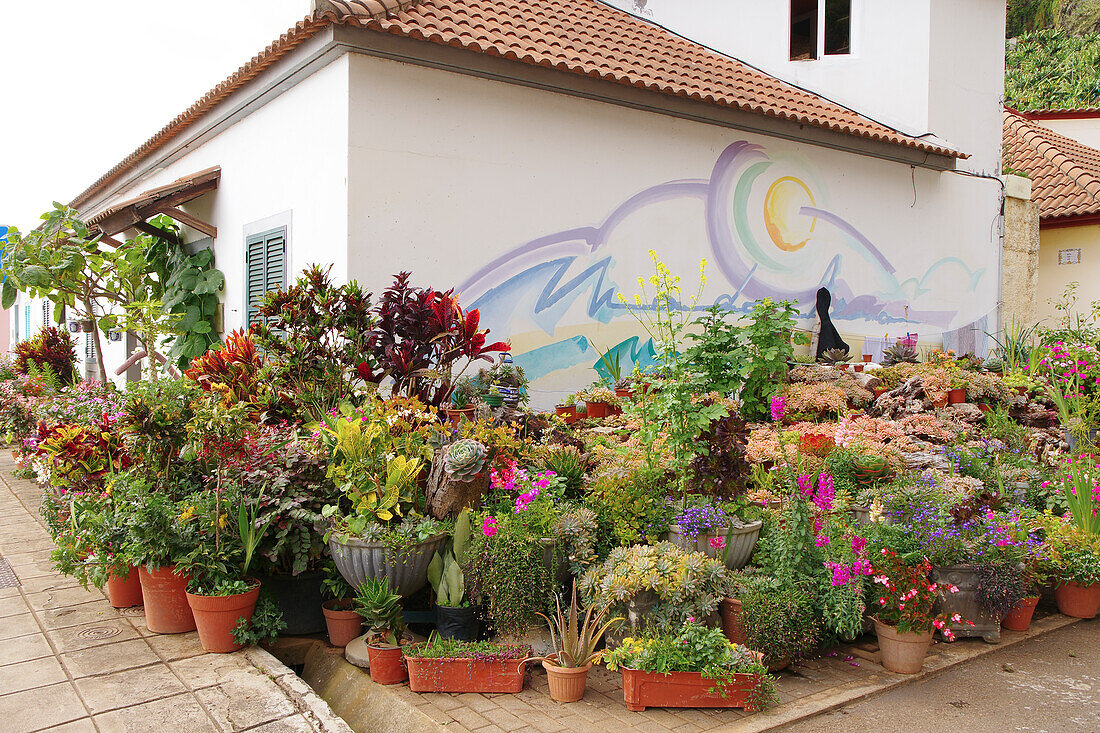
<point>186,515</point>
<point>637,300</point>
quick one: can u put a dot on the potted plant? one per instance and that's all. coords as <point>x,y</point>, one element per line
<point>600,402</point>
<point>694,668</point>
<point>868,469</point>
<point>567,408</point>
<point>904,619</point>
<point>381,611</point>
<point>451,665</point>
<point>493,398</point>
<point>1073,544</point>
<point>778,620</point>
<point>957,393</point>
<point>341,619</point>
<point>456,617</point>
<point>575,641</point>
<point>703,527</point>
<point>376,528</point>
<point>463,402</point>
<point>221,592</point>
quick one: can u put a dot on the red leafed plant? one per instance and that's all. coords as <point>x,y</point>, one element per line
<point>420,336</point>
<point>232,372</point>
<point>903,596</point>
<point>50,349</point>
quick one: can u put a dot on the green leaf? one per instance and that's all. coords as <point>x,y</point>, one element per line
<point>35,275</point>
<point>202,327</point>
<point>9,294</point>
<point>202,258</point>
<point>210,281</point>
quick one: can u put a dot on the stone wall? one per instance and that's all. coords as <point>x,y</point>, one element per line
<point>1020,258</point>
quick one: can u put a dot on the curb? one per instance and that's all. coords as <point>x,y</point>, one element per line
<point>308,702</point>
<point>814,705</point>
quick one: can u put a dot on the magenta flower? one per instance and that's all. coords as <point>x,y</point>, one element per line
<point>778,408</point>
<point>718,543</point>
<point>489,526</point>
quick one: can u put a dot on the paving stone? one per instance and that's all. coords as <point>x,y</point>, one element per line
<point>84,725</point>
<point>125,689</point>
<point>28,675</point>
<point>469,718</point>
<point>171,647</point>
<point>180,713</point>
<point>40,708</point>
<point>109,658</point>
<point>504,719</point>
<point>207,670</point>
<point>245,700</point>
<point>60,597</point>
<point>293,724</point>
<point>13,606</point>
<point>75,638</point>
<point>23,648</point>
<point>82,613</point>
<point>20,625</point>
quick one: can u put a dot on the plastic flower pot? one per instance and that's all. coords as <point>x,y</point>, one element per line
<point>343,623</point>
<point>387,664</point>
<point>566,683</point>
<point>598,409</point>
<point>493,400</point>
<point>732,626</point>
<point>124,592</point>
<point>867,358</point>
<point>164,595</point>
<point>457,623</point>
<point>1019,618</point>
<point>956,396</point>
<point>626,392</point>
<point>299,599</point>
<point>902,653</point>
<point>217,616</point>
<point>643,690</point>
<point>566,411</point>
<point>465,675</point>
<point>1076,600</point>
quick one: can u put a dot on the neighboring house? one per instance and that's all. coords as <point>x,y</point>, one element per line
<point>529,153</point>
<point>1054,149</point>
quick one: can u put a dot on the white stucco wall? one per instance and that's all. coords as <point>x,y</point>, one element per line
<point>287,161</point>
<point>540,208</point>
<point>918,65</point>
<point>1085,130</point>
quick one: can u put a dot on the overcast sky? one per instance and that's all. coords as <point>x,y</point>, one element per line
<point>84,82</point>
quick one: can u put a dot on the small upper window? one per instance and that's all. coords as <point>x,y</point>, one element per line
<point>803,29</point>
<point>838,27</point>
<point>820,27</point>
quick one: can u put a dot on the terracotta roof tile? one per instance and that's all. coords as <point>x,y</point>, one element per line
<point>585,37</point>
<point>1065,175</point>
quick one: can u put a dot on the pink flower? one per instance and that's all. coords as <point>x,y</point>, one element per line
<point>718,543</point>
<point>778,408</point>
<point>821,541</point>
<point>806,485</point>
<point>489,526</point>
<point>691,620</point>
<point>859,544</point>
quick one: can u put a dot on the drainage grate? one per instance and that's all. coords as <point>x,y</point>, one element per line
<point>132,611</point>
<point>7,575</point>
<point>100,632</point>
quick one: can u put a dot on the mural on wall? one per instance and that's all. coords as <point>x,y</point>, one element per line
<point>762,222</point>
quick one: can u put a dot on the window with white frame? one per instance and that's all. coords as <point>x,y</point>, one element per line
<point>820,28</point>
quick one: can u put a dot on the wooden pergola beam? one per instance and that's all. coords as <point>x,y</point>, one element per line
<point>152,231</point>
<point>194,222</point>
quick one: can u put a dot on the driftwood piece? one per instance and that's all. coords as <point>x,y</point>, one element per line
<point>446,496</point>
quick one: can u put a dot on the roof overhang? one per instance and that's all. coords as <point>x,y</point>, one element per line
<point>1063,222</point>
<point>136,212</point>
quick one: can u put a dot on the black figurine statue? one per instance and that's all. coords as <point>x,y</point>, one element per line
<point>828,338</point>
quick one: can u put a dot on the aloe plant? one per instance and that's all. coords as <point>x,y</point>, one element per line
<point>380,608</point>
<point>575,640</point>
<point>445,571</point>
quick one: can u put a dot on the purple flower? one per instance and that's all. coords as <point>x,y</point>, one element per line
<point>778,408</point>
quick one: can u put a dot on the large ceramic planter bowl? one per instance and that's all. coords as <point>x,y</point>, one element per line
<point>358,560</point>
<point>643,690</point>
<point>740,542</point>
<point>1078,601</point>
<point>965,603</point>
<point>902,653</point>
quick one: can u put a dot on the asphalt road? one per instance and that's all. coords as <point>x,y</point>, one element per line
<point>1046,685</point>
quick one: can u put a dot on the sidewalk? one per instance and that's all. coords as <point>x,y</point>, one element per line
<point>70,662</point>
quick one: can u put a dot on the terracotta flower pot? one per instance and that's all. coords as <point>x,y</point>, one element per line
<point>940,402</point>
<point>124,592</point>
<point>217,616</point>
<point>566,411</point>
<point>465,675</point>
<point>902,653</point>
<point>566,683</point>
<point>732,627</point>
<point>455,415</point>
<point>598,409</point>
<point>1076,600</point>
<point>686,690</point>
<point>626,392</point>
<point>956,396</point>
<point>387,664</point>
<point>343,623</point>
<point>1019,618</point>
<point>984,407</point>
<point>857,367</point>
<point>867,358</point>
<point>164,595</point>
<point>1022,391</point>
<point>879,391</point>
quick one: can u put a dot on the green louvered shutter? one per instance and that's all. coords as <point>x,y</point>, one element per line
<point>265,267</point>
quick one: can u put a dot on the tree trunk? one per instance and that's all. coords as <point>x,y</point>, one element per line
<point>446,497</point>
<point>90,303</point>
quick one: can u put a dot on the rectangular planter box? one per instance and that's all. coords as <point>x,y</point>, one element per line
<point>465,675</point>
<point>643,690</point>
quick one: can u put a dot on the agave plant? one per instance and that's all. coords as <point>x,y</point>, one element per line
<point>575,640</point>
<point>899,353</point>
<point>465,459</point>
<point>834,356</point>
<point>869,468</point>
<point>445,571</point>
<point>380,608</point>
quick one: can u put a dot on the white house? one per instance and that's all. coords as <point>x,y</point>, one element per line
<point>530,153</point>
